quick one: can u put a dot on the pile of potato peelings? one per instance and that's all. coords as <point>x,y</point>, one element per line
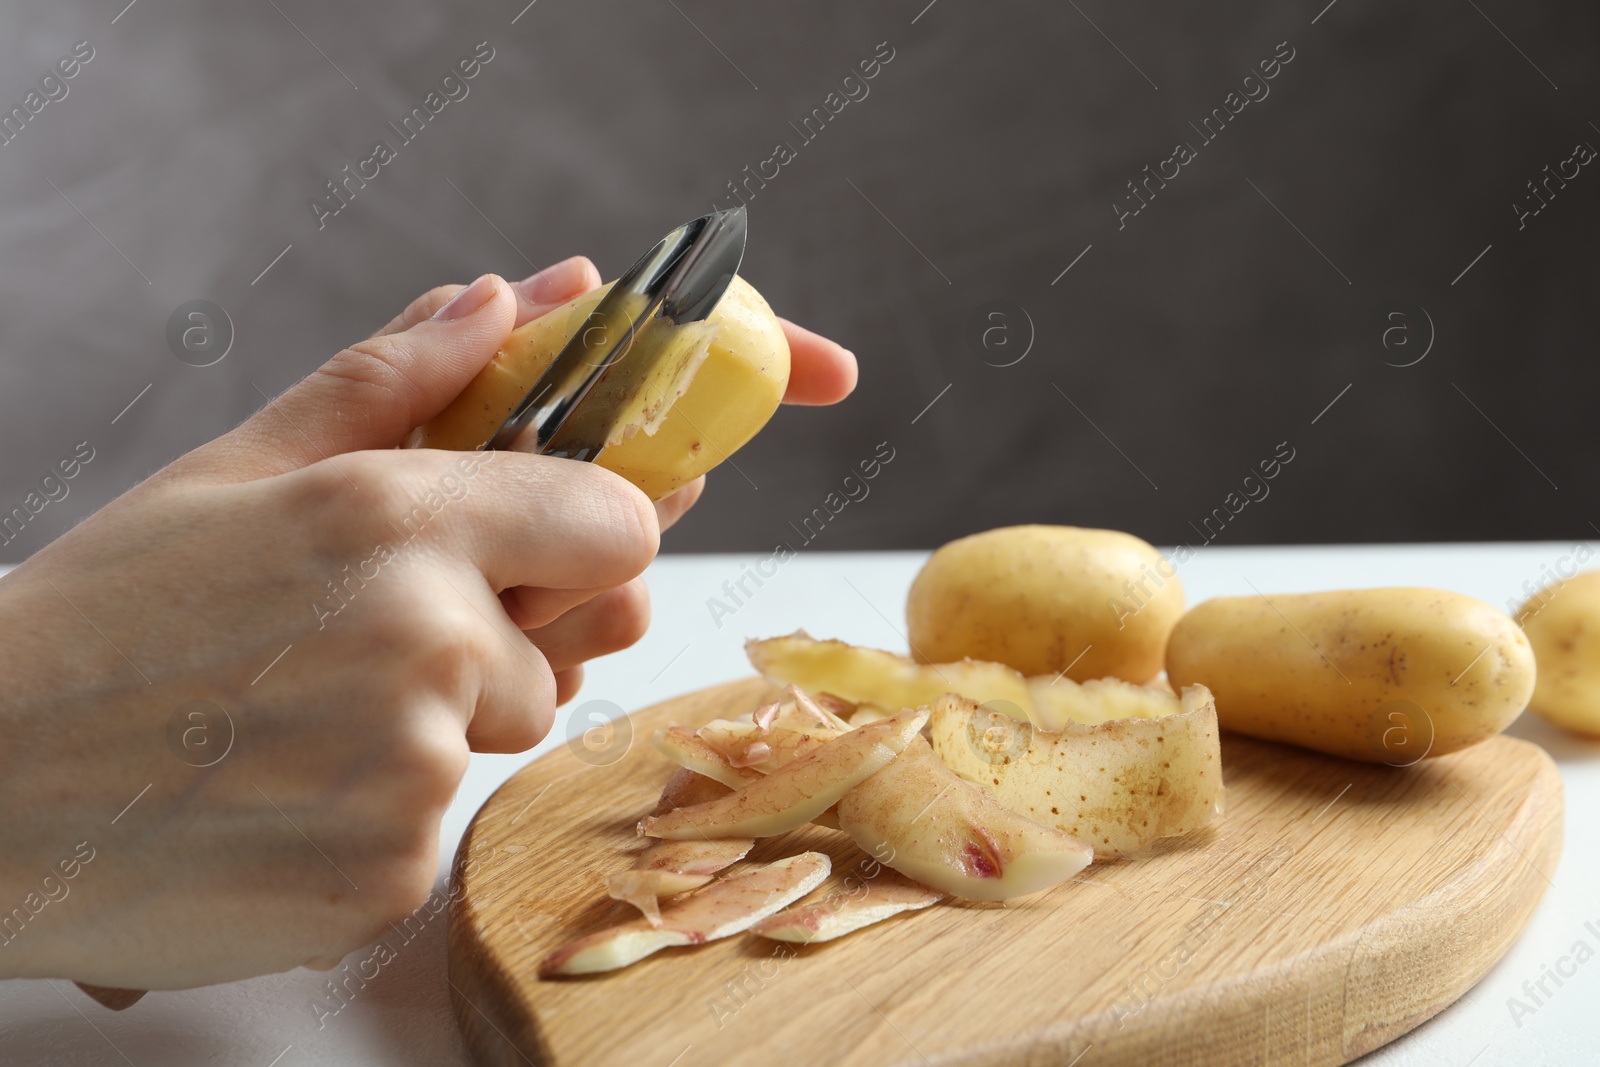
<point>1032,731</point>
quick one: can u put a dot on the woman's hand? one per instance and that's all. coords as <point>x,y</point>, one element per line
<point>820,372</point>
<point>241,695</point>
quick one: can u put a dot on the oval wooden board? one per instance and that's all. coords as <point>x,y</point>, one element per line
<point>1335,907</point>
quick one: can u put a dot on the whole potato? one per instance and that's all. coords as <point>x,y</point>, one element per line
<point>1563,626</point>
<point>1382,675</point>
<point>730,397</point>
<point>1042,598</point>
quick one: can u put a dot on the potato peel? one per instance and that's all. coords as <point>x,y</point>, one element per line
<point>725,907</point>
<point>642,889</point>
<point>884,679</point>
<point>845,911</point>
<point>762,717</point>
<point>1120,785</point>
<point>745,745</point>
<point>686,788</point>
<point>684,865</point>
<point>687,749</point>
<point>815,709</point>
<point>668,868</point>
<point>796,793</point>
<point>918,817</point>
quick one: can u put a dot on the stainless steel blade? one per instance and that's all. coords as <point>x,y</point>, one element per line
<point>677,281</point>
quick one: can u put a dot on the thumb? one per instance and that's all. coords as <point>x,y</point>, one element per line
<point>371,395</point>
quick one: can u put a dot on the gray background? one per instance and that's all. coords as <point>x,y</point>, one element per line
<point>1173,357</point>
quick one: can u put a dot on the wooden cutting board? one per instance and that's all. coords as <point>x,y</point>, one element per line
<point>1336,906</point>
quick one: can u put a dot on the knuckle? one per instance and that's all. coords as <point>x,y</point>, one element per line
<point>317,491</point>
<point>438,647</point>
<point>357,497</point>
<point>628,512</point>
<point>449,649</point>
<point>369,369</point>
<point>425,305</point>
<point>390,500</point>
<point>323,497</point>
<point>524,709</point>
<point>519,733</point>
<point>627,616</point>
<point>396,492</point>
<point>428,765</point>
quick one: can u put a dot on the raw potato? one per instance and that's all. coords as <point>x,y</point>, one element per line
<point>1563,626</point>
<point>730,397</point>
<point>1043,599</point>
<point>1119,785</point>
<point>916,816</point>
<point>724,908</point>
<point>1382,675</point>
<point>796,793</point>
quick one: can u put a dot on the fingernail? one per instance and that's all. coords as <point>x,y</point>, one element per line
<point>557,282</point>
<point>467,300</point>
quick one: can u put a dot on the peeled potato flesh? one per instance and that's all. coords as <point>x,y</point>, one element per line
<point>735,387</point>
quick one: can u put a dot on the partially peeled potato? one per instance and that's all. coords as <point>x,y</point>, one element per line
<point>723,380</point>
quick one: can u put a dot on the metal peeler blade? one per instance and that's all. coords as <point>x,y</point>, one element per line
<point>680,279</point>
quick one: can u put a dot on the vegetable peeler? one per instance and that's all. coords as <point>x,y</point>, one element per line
<point>676,283</point>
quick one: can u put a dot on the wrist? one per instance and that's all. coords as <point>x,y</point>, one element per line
<point>34,914</point>
<point>43,846</point>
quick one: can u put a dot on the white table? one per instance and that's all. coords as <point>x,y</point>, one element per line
<point>403,1016</point>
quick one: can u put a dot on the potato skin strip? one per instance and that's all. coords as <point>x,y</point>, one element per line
<point>845,910</point>
<point>916,816</point>
<point>685,865</point>
<point>1120,785</point>
<point>687,749</point>
<point>726,907</point>
<point>796,793</point>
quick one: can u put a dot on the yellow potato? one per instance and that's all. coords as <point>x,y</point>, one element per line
<point>1043,599</point>
<point>1383,675</point>
<point>726,399</point>
<point>1563,626</point>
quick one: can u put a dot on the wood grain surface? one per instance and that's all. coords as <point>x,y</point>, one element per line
<point>1336,906</point>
